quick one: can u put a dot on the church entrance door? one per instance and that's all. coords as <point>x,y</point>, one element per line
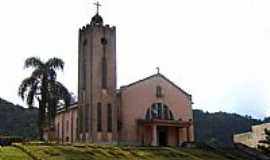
<point>162,135</point>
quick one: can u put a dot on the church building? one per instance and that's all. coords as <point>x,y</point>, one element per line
<point>151,111</point>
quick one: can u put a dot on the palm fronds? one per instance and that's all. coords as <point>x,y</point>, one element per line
<point>55,63</point>
<point>34,62</point>
<point>43,87</point>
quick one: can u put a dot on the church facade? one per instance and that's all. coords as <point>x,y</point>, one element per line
<point>152,111</point>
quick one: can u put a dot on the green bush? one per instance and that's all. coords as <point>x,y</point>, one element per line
<point>6,141</point>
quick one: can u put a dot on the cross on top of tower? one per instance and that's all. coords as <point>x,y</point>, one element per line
<point>98,5</point>
<point>97,19</point>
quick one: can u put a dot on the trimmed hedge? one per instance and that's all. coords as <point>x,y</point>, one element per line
<point>7,141</point>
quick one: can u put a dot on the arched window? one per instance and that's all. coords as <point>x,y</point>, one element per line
<point>159,111</point>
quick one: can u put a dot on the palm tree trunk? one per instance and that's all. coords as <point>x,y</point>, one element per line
<point>41,118</point>
<point>42,106</point>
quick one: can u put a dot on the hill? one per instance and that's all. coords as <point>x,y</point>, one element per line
<point>216,128</point>
<point>17,121</point>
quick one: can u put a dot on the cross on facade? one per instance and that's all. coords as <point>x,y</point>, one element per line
<point>98,5</point>
<point>158,70</point>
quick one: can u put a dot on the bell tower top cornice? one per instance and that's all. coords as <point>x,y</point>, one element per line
<point>96,21</point>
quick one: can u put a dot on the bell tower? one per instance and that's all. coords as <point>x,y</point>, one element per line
<point>97,117</point>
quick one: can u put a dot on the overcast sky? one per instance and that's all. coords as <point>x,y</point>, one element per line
<point>216,50</point>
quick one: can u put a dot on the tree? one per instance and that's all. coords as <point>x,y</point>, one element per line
<point>42,87</point>
<point>265,147</point>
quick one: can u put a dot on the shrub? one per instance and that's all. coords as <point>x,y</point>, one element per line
<point>6,141</point>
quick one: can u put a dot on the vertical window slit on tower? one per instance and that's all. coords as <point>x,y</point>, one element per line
<point>99,118</point>
<point>109,118</point>
<point>104,73</point>
<point>84,64</point>
<point>87,119</point>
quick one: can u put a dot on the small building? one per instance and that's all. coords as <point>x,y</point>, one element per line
<point>151,111</point>
<point>253,137</point>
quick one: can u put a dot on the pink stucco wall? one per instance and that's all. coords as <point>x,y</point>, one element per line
<point>137,98</point>
<point>66,126</point>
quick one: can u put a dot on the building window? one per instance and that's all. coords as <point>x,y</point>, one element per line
<point>58,130</point>
<point>84,64</point>
<point>77,127</point>
<point>85,42</point>
<point>154,112</point>
<point>159,111</point>
<point>166,114</point>
<point>99,118</point>
<point>103,41</point>
<point>147,117</point>
<point>104,73</point>
<point>62,129</point>
<point>87,119</point>
<point>67,126</point>
<point>80,121</point>
<point>159,91</point>
<point>171,116</point>
<point>109,118</point>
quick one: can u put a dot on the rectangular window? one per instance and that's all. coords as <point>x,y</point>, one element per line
<point>80,124</point>
<point>67,127</point>
<point>166,114</point>
<point>159,110</point>
<point>77,127</point>
<point>84,64</point>
<point>87,119</point>
<point>159,91</point>
<point>99,118</point>
<point>154,112</point>
<point>58,131</point>
<point>109,118</point>
<point>71,127</point>
<point>62,129</point>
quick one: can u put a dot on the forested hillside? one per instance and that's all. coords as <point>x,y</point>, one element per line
<point>16,120</point>
<point>216,128</point>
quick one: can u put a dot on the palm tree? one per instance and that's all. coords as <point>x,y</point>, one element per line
<point>43,87</point>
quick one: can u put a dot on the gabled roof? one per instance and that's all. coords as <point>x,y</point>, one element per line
<point>157,75</point>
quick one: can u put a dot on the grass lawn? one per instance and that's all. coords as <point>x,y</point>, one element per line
<point>109,152</point>
<point>12,153</point>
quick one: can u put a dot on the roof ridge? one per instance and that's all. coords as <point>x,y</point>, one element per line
<point>151,76</point>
